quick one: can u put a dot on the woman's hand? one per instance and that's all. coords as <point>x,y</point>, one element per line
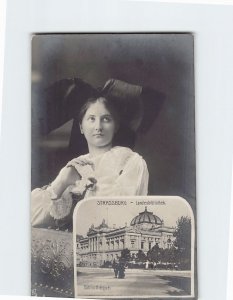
<point>69,175</point>
<point>83,185</point>
<point>80,162</point>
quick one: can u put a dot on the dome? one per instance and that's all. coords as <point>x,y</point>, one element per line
<point>146,217</point>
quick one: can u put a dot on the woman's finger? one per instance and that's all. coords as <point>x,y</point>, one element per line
<point>80,162</point>
<point>74,163</point>
<point>85,161</point>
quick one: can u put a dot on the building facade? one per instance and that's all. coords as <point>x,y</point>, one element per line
<point>103,243</point>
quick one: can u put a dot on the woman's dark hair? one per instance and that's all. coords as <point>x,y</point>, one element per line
<point>110,104</point>
<point>123,137</point>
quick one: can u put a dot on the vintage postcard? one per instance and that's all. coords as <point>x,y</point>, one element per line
<point>134,247</point>
<point>113,115</point>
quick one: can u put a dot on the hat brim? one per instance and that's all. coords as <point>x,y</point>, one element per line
<point>140,106</point>
<point>62,101</point>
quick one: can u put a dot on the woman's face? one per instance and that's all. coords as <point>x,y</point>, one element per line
<point>98,125</point>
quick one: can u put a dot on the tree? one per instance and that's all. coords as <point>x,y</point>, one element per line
<point>125,255</point>
<point>154,254</point>
<point>170,255</point>
<point>141,256</point>
<point>183,240</point>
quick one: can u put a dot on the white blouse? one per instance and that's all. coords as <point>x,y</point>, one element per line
<point>118,172</point>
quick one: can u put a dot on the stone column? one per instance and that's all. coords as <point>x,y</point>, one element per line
<point>139,241</point>
<point>127,242</point>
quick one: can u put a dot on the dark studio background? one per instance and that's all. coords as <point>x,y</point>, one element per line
<point>161,61</point>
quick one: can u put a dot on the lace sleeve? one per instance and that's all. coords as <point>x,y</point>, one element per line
<point>44,210</point>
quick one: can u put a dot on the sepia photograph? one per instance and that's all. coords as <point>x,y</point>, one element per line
<point>134,247</point>
<point>113,115</point>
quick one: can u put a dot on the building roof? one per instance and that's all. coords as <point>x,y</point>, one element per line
<point>146,217</point>
<point>103,227</point>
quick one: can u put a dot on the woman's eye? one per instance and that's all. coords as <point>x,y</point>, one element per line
<point>91,118</point>
<point>107,119</point>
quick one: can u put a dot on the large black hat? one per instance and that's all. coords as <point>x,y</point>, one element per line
<point>138,107</point>
<point>62,101</point>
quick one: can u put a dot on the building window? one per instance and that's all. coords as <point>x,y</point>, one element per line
<point>149,245</point>
<point>142,245</point>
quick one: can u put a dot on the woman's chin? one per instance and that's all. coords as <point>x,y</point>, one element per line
<point>101,144</point>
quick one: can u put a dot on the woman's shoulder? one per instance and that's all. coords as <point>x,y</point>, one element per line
<point>124,153</point>
<point>125,158</point>
<point>119,150</point>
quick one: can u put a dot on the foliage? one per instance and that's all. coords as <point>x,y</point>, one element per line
<point>154,254</point>
<point>125,254</point>
<point>141,256</point>
<point>183,240</point>
<point>169,255</point>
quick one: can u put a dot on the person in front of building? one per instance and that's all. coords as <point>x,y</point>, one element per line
<point>121,268</point>
<point>115,266</point>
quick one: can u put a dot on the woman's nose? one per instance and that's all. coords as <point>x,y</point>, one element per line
<point>98,125</point>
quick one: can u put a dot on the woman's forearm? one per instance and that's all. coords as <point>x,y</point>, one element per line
<point>68,176</point>
<point>56,190</point>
